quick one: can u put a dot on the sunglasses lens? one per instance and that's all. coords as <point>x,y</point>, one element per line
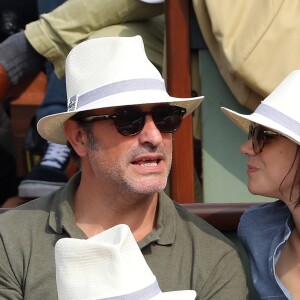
<point>256,133</point>
<point>129,121</point>
<point>168,118</point>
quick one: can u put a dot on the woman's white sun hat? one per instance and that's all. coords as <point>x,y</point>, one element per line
<point>109,72</point>
<point>107,266</point>
<point>280,111</point>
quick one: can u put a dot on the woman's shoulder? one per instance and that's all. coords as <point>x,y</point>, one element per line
<point>263,219</point>
<point>267,212</point>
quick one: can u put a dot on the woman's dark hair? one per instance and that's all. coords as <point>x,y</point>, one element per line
<point>296,181</point>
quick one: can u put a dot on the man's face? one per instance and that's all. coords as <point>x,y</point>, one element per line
<point>139,163</point>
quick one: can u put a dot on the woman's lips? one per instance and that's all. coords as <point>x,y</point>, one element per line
<point>251,169</point>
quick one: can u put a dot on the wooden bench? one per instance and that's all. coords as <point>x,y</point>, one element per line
<point>223,216</point>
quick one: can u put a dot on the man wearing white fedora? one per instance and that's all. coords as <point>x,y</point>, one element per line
<point>119,124</point>
<point>57,33</point>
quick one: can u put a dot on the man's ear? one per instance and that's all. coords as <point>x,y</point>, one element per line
<point>76,137</point>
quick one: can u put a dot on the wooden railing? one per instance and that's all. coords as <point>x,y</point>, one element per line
<point>223,216</point>
<point>179,85</point>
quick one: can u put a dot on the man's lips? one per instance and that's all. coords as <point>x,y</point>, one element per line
<point>148,161</point>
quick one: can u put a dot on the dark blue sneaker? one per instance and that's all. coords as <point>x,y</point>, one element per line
<point>49,175</point>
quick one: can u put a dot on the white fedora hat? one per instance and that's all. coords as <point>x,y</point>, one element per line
<point>153,1</point>
<point>109,72</point>
<point>107,266</point>
<point>280,111</point>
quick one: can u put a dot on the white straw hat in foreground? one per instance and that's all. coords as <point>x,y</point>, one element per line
<point>107,266</point>
<point>109,72</point>
<point>153,1</point>
<point>280,111</point>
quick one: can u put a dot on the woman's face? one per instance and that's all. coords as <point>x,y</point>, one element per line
<point>271,172</point>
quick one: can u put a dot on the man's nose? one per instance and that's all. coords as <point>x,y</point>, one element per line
<point>150,133</point>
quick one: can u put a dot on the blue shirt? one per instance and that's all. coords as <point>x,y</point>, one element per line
<point>263,230</point>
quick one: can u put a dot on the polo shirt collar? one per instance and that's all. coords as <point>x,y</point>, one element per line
<point>62,218</point>
<point>165,231</point>
<point>61,215</point>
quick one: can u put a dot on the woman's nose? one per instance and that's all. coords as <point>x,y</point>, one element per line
<point>247,147</point>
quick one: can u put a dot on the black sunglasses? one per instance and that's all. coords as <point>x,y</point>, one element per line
<point>259,136</point>
<point>130,120</point>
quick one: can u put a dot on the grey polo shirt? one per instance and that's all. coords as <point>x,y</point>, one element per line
<point>183,251</point>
